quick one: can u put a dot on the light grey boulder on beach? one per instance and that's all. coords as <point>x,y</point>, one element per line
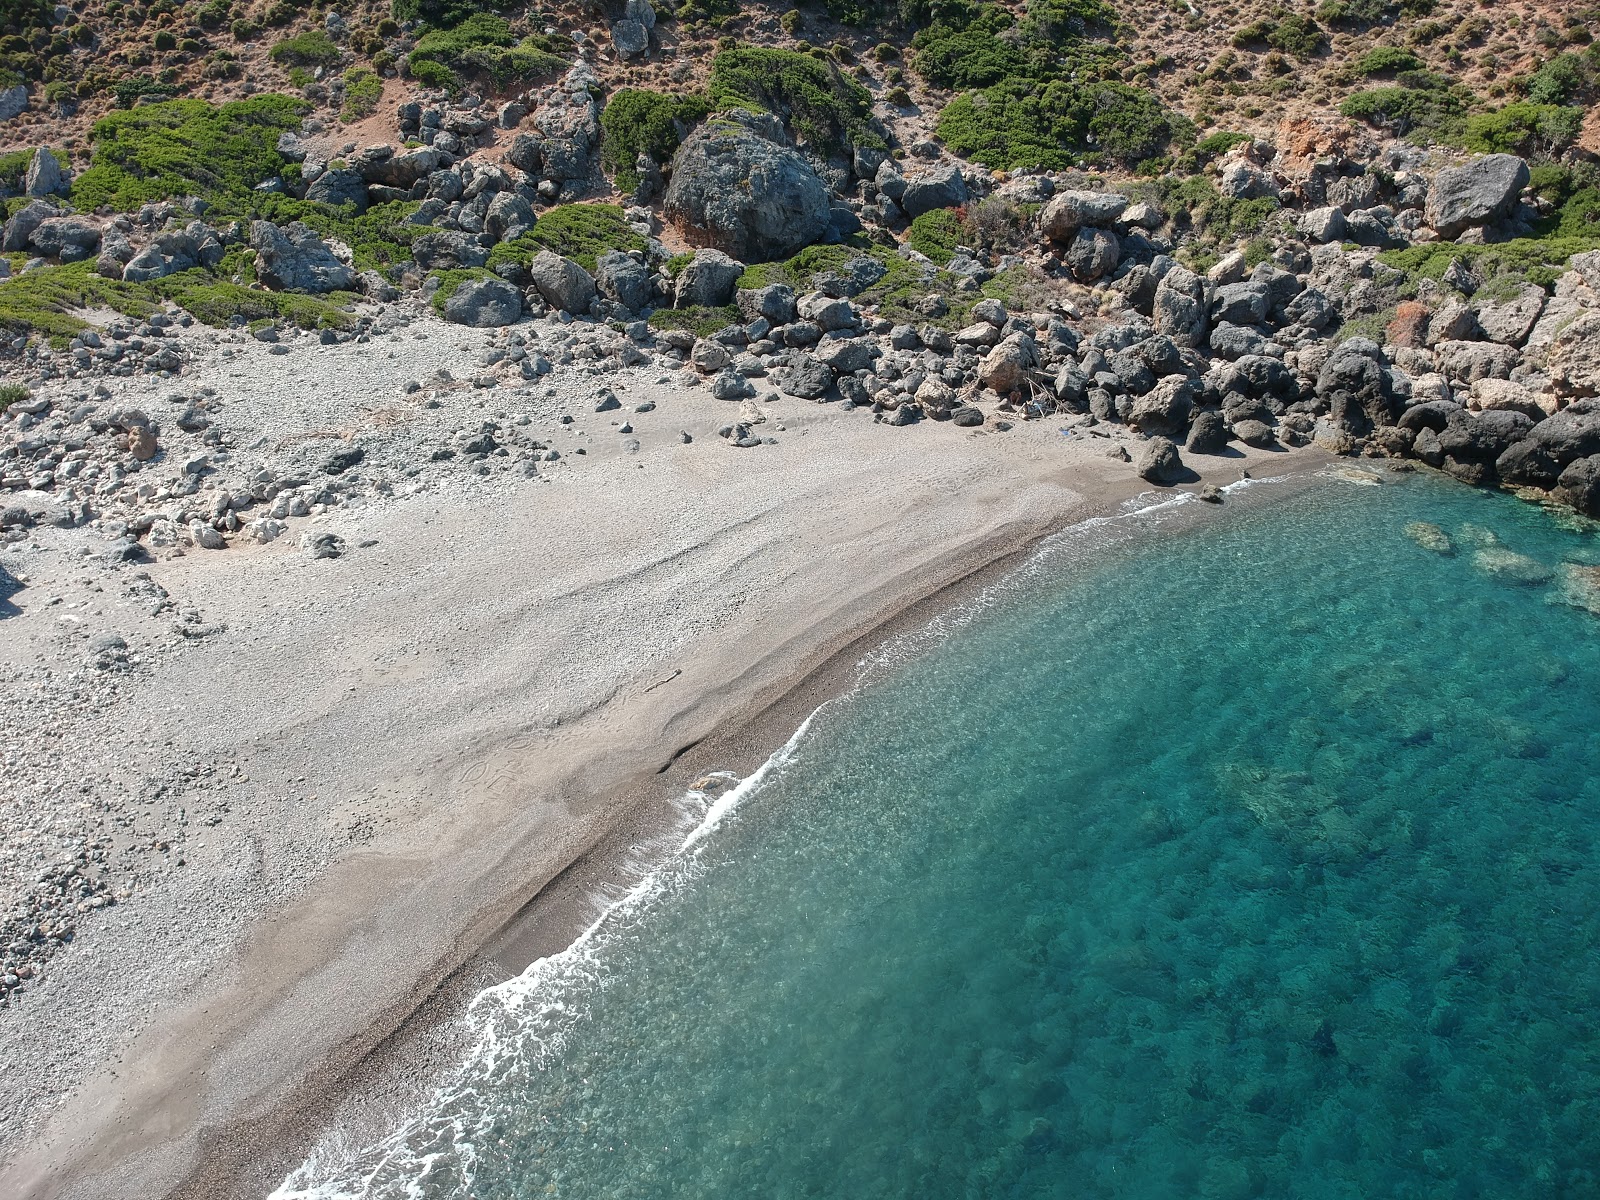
<point>295,259</point>
<point>1157,461</point>
<point>708,280</point>
<point>563,283</point>
<point>622,278</point>
<point>484,304</point>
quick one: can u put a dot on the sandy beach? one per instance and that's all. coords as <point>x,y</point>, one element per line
<point>501,689</point>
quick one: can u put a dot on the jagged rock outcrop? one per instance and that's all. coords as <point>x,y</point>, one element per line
<point>295,259</point>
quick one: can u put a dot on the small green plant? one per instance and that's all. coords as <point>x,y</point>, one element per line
<point>637,120</point>
<point>164,41</point>
<point>13,393</point>
<point>1217,144</point>
<point>936,235</point>
<point>581,232</point>
<point>483,44</point>
<point>790,22</point>
<point>313,48</point>
<point>819,102</point>
<point>1541,130</point>
<point>362,91</point>
<point>1289,32</point>
<point>1388,60</point>
<point>698,320</point>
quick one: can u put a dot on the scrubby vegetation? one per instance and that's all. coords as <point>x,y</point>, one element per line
<point>185,147</point>
<point>13,393</point>
<point>936,234</point>
<point>820,103</point>
<point>482,44</point>
<point>362,91</point>
<point>1044,95</point>
<point>636,120</point>
<point>581,232</point>
<point>313,48</point>
<point>1290,32</point>
<point>1531,130</point>
<point>1424,105</point>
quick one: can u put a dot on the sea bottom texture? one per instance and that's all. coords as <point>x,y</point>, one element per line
<point>1218,854</point>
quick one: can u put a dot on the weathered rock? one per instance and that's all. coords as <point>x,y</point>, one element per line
<point>709,356</point>
<point>1357,386</point>
<point>1573,357</point>
<point>1181,307</point>
<point>508,218</point>
<point>1322,224</point>
<point>829,312</point>
<point>563,283</point>
<point>484,304</point>
<point>621,277</point>
<point>1158,462</point>
<point>847,355</point>
<point>1240,304</point>
<point>1489,395</point>
<point>44,176</point>
<point>774,303</point>
<point>1208,434</point>
<point>630,39</point>
<point>1093,254</point>
<point>1475,194</point>
<point>1005,368</point>
<point>1579,485</point>
<point>708,279</point>
<point>1510,321</point>
<point>338,188</point>
<point>738,191</point>
<point>19,228</point>
<point>448,250</point>
<point>1067,212</point>
<point>1165,408</point>
<point>402,170</point>
<point>13,101</point>
<point>1467,362</point>
<point>967,416</point>
<point>1430,537</point>
<point>806,377</point>
<point>70,239</point>
<point>942,187</point>
<point>1254,433</point>
<point>296,259</point>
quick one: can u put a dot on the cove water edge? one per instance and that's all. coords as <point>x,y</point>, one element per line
<point>1248,856</point>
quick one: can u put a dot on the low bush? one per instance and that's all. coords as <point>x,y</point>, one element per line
<point>1289,32</point>
<point>819,103</point>
<point>581,232</point>
<point>483,44</point>
<point>1217,144</point>
<point>936,234</point>
<point>1387,60</point>
<point>696,319</point>
<point>362,91</point>
<point>313,48</point>
<point>1530,130</point>
<point>636,120</point>
<point>1567,78</point>
<point>13,393</point>
<point>185,147</point>
<point>1424,106</point>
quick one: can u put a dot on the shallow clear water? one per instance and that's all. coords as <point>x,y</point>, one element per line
<point>1251,860</point>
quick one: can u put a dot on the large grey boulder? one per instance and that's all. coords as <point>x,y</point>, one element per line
<point>565,142</point>
<point>708,279</point>
<point>1181,308</point>
<point>1067,212</point>
<point>447,250</point>
<point>484,304</point>
<point>67,238</point>
<point>563,283</point>
<point>775,303</point>
<point>1158,462</point>
<point>44,176</point>
<point>1165,408</point>
<point>402,170</point>
<point>624,279</point>
<point>1358,387</point>
<point>1093,254</point>
<point>807,378</point>
<point>1478,193</point>
<point>338,188</point>
<point>19,229</point>
<point>942,187</point>
<point>509,217</point>
<point>13,102</point>
<point>629,39</point>
<point>1005,368</point>
<point>295,259</point>
<point>736,190</point>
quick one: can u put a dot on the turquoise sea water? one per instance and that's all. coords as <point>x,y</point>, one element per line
<point>1220,854</point>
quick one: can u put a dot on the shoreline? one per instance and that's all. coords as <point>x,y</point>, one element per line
<point>237,1133</point>
<point>575,900</point>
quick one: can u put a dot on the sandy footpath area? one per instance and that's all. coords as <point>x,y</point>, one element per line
<point>420,735</point>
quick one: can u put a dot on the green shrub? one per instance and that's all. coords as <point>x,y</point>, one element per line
<point>581,232</point>
<point>379,239</point>
<point>698,320</point>
<point>185,147</point>
<point>13,393</point>
<point>127,92</point>
<point>314,48</point>
<point>1567,77</point>
<point>164,40</point>
<point>1288,32</point>
<point>818,102</point>
<point>362,91</point>
<point>482,44</point>
<point>244,30</point>
<point>1525,129</point>
<point>636,120</point>
<point>1437,112</point>
<point>1217,144</point>
<point>1010,126</point>
<point>936,234</point>
<point>960,49</point>
<point>1387,60</point>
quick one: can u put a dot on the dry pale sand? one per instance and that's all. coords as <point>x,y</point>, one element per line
<point>431,730</point>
